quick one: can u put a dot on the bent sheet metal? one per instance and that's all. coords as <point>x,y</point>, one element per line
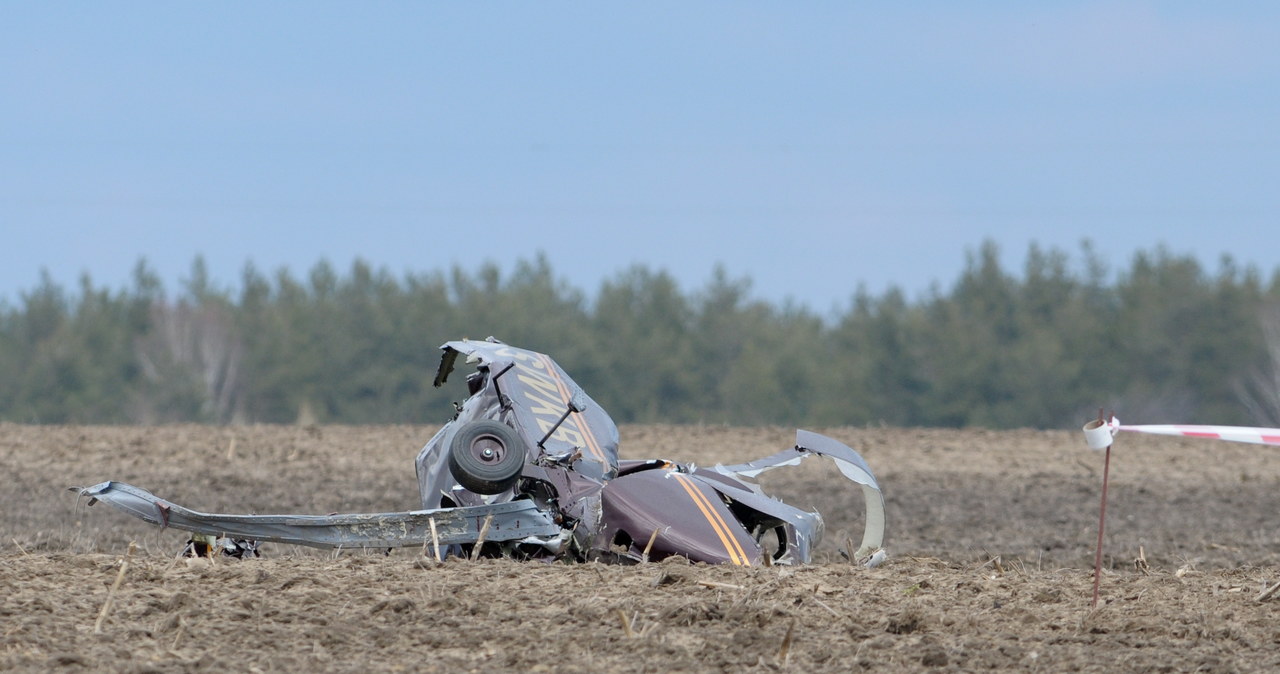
<point>514,520</point>
<point>528,467</point>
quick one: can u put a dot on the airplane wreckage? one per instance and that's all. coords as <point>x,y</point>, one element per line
<point>528,468</point>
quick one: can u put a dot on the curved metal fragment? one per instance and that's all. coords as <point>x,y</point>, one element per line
<point>851,465</point>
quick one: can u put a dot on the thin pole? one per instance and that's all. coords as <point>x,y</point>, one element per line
<point>1102,523</point>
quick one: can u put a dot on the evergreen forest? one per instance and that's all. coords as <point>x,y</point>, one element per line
<point>1163,340</point>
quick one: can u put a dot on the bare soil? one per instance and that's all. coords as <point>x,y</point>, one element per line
<point>991,542</point>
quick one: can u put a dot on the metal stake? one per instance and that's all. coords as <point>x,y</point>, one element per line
<point>1102,521</point>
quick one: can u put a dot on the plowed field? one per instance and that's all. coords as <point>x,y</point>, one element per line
<point>991,548</point>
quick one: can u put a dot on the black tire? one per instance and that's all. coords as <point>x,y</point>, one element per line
<point>486,456</point>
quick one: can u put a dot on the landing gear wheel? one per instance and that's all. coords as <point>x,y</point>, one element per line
<point>486,456</point>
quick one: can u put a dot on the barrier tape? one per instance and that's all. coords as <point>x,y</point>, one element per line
<point>1098,434</point>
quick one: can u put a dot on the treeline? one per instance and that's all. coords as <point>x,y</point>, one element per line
<point>1162,341</point>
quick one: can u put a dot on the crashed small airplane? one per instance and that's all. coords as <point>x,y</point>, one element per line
<point>528,468</point>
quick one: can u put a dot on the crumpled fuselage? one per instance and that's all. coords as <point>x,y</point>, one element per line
<point>620,510</point>
<point>540,461</point>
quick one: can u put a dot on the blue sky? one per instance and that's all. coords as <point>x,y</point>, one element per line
<point>810,146</point>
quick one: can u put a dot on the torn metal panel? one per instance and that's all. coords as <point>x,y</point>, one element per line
<point>848,462</point>
<point>514,520</point>
<point>535,392</point>
<point>688,514</point>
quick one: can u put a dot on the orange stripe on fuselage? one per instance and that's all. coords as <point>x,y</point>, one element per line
<point>592,444</point>
<point>731,545</point>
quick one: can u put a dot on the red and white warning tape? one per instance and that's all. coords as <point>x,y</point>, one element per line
<point>1098,434</point>
<point>1258,436</point>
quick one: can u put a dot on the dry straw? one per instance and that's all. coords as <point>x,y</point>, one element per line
<point>484,531</point>
<point>435,538</point>
<point>785,650</point>
<point>106,606</point>
<point>626,624</point>
<point>652,537</point>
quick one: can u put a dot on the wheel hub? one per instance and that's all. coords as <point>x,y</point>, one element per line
<point>488,449</point>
